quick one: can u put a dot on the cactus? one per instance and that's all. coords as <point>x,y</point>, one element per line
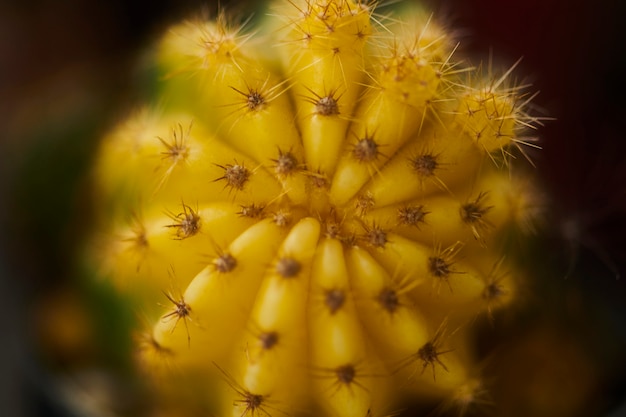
<point>309,217</point>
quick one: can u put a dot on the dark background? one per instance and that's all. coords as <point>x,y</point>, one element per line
<point>66,73</point>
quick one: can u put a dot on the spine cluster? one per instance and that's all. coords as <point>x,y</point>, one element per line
<point>308,214</point>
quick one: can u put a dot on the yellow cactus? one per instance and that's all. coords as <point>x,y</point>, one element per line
<point>308,217</point>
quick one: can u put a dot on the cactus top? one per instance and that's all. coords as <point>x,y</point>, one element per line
<point>320,202</point>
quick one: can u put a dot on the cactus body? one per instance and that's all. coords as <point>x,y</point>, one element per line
<point>315,224</point>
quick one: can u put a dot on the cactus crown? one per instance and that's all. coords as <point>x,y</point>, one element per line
<point>329,206</point>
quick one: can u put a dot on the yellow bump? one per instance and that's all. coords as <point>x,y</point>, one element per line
<point>213,293</point>
<point>501,281</point>
<point>410,78</point>
<point>338,354</point>
<point>177,159</point>
<point>236,400</point>
<point>142,253</point>
<point>492,113</point>
<point>396,332</point>
<point>431,162</point>
<point>404,258</point>
<point>200,45</point>
<point>279,304</point>
<point>520,202</point>
<point>344,391</point>
<point>322,136</point>
<point>435,369</point>
<point>254,115</point>
<point>126,142</point>
<point>488,118</point>
<point>280,307</point>
<point>391,123</point>
<point>324,58</point>
<point>406,80</point>
<point>241,99</point>
<point>446,220</point>
<point>454,285</point>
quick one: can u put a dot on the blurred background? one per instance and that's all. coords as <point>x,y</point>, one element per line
<point>67,72</point>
